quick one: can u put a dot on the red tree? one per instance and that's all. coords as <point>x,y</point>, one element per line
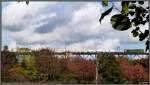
<point>134,73</point>
<point>84,69</point>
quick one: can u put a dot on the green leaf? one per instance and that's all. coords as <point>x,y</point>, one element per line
<point>137,28</point>
<point>135,34</point>
<point>125,7</point>
<point>133,1</point>
<point>147,18</point>
<point>131,13</point>
<point>105,13</point>
<point>147,45</point>
<point>141,2</point>
<point>139,11</point>
<point>146,33</point>
<point>27,2</point>
<point>105,2</point>
<point>142,36</point>
<point>120,22</point>
<point>147,7</point>
<point>143,22</point>
<point>132,6</point>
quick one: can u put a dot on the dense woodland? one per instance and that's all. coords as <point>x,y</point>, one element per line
<point>44,67</point>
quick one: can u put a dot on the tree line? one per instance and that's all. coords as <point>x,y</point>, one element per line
<point>44,67</point>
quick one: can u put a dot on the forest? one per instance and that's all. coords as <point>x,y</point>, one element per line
<point>45,67</point>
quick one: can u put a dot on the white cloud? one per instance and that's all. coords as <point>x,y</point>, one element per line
<point>107,45</point>
<point>76,27</point>
<point>20,15</point>
<point>13,46</point>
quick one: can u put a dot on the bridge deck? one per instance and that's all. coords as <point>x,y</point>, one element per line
<point>90,53</point>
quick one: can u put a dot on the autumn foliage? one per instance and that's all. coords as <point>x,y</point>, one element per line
<point>133,71</point>
<point>45,67</point>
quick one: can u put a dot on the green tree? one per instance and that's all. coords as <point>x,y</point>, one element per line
<point>109,68</point>
<point>28,63</point>
<point>29,68</point>
<point>122,22</point>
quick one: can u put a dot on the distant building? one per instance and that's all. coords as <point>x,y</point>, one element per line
<point>22,55</point>
<point>24,50</point>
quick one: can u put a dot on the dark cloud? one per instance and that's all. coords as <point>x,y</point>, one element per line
<point>64,15</point>
<point>52,23</point>
<point>23,42</point>
<point>77,38</point>
<point>13,28</point>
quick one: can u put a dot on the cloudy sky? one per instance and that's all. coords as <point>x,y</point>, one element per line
<point>71,25</point>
